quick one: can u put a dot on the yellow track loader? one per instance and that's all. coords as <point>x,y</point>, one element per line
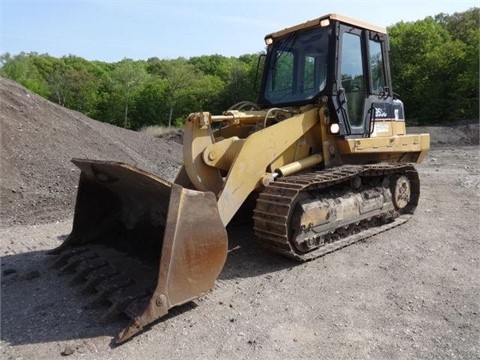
<point>324,154</point>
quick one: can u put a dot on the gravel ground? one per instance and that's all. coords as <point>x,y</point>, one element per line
<point>411,292</point>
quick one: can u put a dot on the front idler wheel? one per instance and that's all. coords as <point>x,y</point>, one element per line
<point>401,192</point>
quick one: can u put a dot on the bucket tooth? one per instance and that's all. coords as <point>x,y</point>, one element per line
<point>63,257</point>
<point>137,306</point>
<point>96,276</point>
<point>112,311</point>
<point>122,298</point>
<point>87,267</point>
<point>76,260</point>
<point>109,285</point>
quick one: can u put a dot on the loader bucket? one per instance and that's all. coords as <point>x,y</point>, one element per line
<point>142,243</point>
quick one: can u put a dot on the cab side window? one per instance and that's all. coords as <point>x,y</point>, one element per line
<point>353,78</point>
<point>377,69</point>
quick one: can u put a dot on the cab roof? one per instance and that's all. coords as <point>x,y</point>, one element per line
<point>332,17</point>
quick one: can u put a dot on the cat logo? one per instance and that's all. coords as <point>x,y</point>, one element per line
<point>380,113</point>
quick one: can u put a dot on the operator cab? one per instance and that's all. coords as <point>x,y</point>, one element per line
<point>336,57</point>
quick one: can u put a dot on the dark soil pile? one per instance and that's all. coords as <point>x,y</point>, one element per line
<point>38,140</point>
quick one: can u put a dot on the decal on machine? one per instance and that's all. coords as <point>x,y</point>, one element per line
<point>380,113</point>
<point>381,128</point>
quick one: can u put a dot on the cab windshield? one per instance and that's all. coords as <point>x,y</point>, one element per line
<point>297,67</point>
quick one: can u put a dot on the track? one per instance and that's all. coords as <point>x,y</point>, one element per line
<point>276,205</point>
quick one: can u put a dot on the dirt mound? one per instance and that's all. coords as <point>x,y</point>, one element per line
<point>457,134</point>
<point>38,140</point>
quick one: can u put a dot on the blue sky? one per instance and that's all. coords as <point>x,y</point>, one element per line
<point>110,30</point>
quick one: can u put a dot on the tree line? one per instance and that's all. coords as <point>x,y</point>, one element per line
<point>133,94</point>
<point>434,64</point>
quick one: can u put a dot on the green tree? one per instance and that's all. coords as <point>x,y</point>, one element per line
<point>179,77</point>
<point>58,83</point>
<point>85,79</point>
<point>21,68</point>
<point>128,76</point>
<point>424,60</point>
<point>241,80</point>
<point>464,27</point>
<point>150,104</point>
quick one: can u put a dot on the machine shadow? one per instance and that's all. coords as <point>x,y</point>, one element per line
<point>38,304</point>
<point>247,259</point>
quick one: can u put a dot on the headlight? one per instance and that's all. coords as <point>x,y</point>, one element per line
<point>324,22</point>
<point>334,128</point>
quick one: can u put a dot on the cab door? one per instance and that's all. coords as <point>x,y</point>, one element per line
<point>363,83</point>
<point>352,80</point>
